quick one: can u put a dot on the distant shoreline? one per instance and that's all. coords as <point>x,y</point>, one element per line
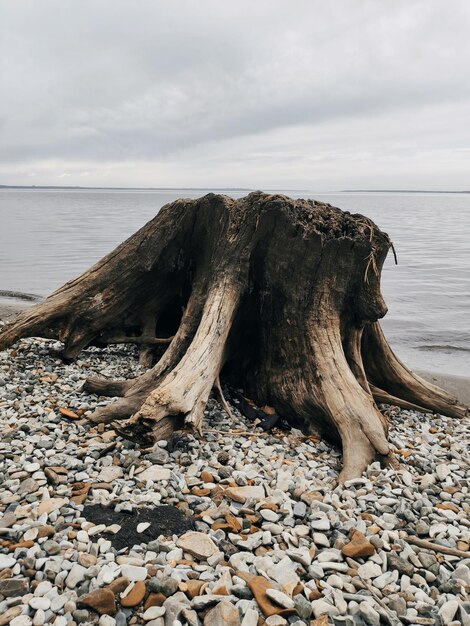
<point>248,189</point>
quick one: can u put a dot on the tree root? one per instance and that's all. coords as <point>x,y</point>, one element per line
<point>284,294</point>
<point>385,371</point>
<point>223,401</point>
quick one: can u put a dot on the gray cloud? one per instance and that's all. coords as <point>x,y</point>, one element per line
<point>265,93</point>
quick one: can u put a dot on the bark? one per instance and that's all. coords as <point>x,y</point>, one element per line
<point>283,295</point>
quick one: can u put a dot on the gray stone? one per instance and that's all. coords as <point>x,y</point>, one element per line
<point>402,566</point>
<point>250,618</point>
<point>303,607</point>
<point>427,560</point>
<point>397,604</point>
<point>174,605</point>
<point>154,612</point>
<point>448,611</point>
<point>168,586</point>
<point>422,528</point>
<point>154,473</point>
<point>75,576</point>
<point>322,607</point>
<point>300,509</point>
<point>223,614</point>
<point>121,619</point>
<point>370,615</point>
<point>280,598</point>
<point>369,570</point>
<point>158,457</point>
<point>13,587</point>
<point>81,615</point>
<point>198,544</point>
<point>462,572</point>
<point>6,561</point>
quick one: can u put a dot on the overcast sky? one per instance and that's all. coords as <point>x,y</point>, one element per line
<point>336,94</point>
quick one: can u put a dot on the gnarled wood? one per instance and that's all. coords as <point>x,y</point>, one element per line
<point>283,294</point>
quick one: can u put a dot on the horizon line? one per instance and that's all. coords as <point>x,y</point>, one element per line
<point>229,188</point>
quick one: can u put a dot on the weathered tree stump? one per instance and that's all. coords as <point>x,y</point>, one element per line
<point>283,294</point>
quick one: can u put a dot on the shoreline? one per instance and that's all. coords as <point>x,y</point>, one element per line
<point>458,386</point>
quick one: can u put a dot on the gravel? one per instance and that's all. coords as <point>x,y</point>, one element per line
<point>269,528</point>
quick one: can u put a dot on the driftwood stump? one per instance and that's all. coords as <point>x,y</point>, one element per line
<point>283,294</point>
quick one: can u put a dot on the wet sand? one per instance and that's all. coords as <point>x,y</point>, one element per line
<point>458,386</point>
<point>8,311</point>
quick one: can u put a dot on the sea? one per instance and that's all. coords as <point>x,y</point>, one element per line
<point>48,236</point>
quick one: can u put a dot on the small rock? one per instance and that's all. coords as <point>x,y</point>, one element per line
<point>6,561</point>
<point>402,566</point>
<point>422,528</point>
<point>223,614</point>
<point>21,620</point>
<point>370,615</point>
<point>462,572</point>
<point>168,586</point>
<point>75,576</point>
<point>101,600</point>
<point>322,607</point>
<point>118,585</point>
<point>158,457</point>
<point>268,515</point>
<point>280,598</point>
<point>198,544</point>
<point>223,457</point>
<point>241,494</point>
<point>49,505</point>
<point>110,473</point>
<point>38,602</point>
<point>154,612</point>
<point>154,473</point>
<point>87,560</point>
<point>369,570</point>
<point>134,572</point>
<point>135,596</point>
<point>250,618</point>
<point>13,587</point>
<point>358,547</point>
<point>10,615</point>
<point>320,524</point>
<point>142,527</point>
<point>174,606</point>
<point>442,471</point>
<point>447,611</point>
<point>275,620</point>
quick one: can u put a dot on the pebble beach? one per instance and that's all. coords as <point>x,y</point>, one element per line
<point>263,534</point>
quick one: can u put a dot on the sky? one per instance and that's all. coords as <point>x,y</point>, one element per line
<point>269,94</point>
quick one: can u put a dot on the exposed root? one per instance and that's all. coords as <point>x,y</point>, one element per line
<point>146,340</point>
<point>104,387</point>
<point>223,401</point>
<point>385,371</point>
<point>184,391</point>
<point>122,409</point>
<point>429,545</point>
<point>381,396</point>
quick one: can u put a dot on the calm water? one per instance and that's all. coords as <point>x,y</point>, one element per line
<point>48,237</point>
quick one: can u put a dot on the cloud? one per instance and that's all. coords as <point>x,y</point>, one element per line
<point>249,93</point>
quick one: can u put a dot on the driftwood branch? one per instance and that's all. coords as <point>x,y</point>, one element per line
<point>435,547</point>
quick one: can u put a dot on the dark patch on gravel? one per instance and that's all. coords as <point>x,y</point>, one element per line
<point>164,520</point>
